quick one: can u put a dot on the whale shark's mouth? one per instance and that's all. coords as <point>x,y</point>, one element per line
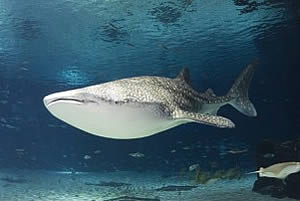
<point>63,100</point>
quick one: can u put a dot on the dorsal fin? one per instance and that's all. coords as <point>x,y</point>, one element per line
<point>184,75</point>
<point>210,92</point>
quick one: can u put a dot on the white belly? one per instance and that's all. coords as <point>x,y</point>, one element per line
<point>125,121</point>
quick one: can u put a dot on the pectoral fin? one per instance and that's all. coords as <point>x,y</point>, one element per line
<point>207,119</point>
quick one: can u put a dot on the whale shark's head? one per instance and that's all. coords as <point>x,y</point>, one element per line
<point>68,98</point>
<point>91,111</point>
<point>75,107</point>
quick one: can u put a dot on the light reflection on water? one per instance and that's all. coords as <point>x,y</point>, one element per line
<point>126,38</point>
<point>73,76</point>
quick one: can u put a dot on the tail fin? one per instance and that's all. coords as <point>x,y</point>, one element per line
<point>239,92</point>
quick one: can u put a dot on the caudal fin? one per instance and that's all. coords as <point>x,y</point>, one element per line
<point>239,92</point>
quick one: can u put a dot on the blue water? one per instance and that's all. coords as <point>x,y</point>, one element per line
<point>49,46</point>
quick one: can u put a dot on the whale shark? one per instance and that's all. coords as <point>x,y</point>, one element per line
<point>142,106</point>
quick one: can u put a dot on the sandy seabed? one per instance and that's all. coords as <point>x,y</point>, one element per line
<point>41,185</point>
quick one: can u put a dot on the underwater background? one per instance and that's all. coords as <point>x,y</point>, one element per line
<point>50,46</point>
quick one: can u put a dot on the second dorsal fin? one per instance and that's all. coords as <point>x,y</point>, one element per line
<point>210,92</point>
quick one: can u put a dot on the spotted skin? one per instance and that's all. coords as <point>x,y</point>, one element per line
<point>207,119</point>
<point>176,97</point>
<point>142,106</point>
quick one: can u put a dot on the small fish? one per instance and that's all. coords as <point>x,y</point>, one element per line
<point>173,151</point>
<point>279,170</point>
<point>287,142</point>
<point>237,151</point>
<point>6,92</point>
<point>137,155</point>
<point>113,26</point>
<point>3,120</point>
<point>87,157</point>
<point>130,44</point>
<point>20,150</point>
<point>193,167</point>
<point>10,126</point>
<point>62,126</point>
<point>24,69</point>
<point>212,181</point>
<point>214,164</point>
<point>25,62</point>
<point>70,172</point>
<point>269,155</point>
<point>186,148</point>
<point>3,102</point>
<point>164,47</point>
<point>97,151</point>
<point>33,158</point>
